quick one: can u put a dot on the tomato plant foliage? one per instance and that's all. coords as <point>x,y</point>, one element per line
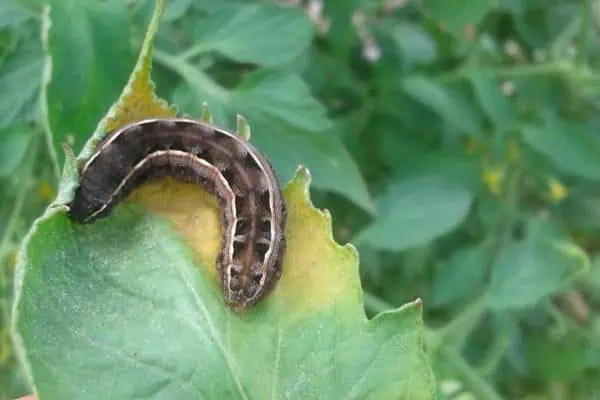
<point>454,144</point>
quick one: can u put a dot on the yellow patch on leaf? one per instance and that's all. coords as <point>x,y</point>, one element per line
<point>192,210</point>
<point>138,101</point>
<point>316,271</point>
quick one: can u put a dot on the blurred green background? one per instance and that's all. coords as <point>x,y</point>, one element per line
<point>455,143</point>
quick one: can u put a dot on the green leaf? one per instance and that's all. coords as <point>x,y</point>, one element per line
<point>528,271</point>
<point>415,45</point>
<point>569,145</point>
<point>91,58</point>
<point>280,98</point>
<point>125,298</point>
<point>462,275</point>
<point>20,80</point>
<point>446,104</point>
<point>262,34</point>
<point>454,14</point>
<point>416,211</point>
<point>497,107</point>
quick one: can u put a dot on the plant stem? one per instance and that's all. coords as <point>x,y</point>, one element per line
<point>473,381</point>
<point>192,52</point>
<point>459,327</point>
<point>559,68</point>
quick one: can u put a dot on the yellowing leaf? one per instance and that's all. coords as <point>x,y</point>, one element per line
<point>305,284</point>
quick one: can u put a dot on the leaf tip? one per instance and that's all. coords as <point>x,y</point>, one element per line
<point>303,176</point>
<point>206,116</point>
<point>327,215</point>
<point>416,306</point>
<point>243,128</point>
<point>68,181</point>
<point>68,151</point>
<point>418,303</point>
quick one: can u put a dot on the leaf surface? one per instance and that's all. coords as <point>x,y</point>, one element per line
<point>421,208</point>
<point>258,33</point>
<point>569,145</point>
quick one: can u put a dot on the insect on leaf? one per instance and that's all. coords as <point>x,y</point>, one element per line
<point>129,307</point>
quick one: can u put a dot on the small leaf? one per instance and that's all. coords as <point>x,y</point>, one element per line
<point>206,115</point>
<point>447,105</point>
<point>243,129</point>
<point>415,211</point>
<point>263,34</point>
<point>528,271</point>
<point>569,145</point>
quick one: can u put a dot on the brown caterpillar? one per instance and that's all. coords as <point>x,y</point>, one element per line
<point>252,211</point>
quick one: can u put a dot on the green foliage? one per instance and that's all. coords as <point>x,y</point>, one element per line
<point>137,268</point>
<point>455,143</point>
